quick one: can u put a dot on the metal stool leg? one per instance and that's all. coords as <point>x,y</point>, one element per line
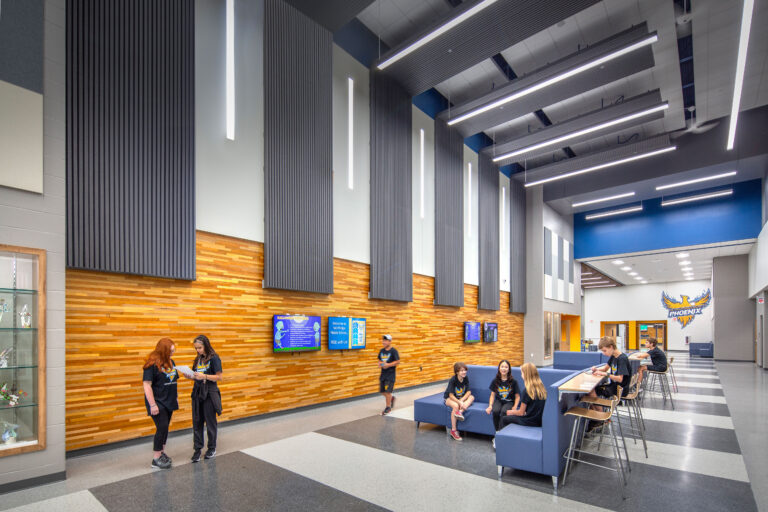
<point>569,452</point>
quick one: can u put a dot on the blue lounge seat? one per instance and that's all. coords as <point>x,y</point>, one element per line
<point>564,360</point>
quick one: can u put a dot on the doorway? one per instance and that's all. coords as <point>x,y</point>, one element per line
<point>652,329</point>
<point>616,330</point>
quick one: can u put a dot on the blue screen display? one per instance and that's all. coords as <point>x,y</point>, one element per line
<point>293,333</point>
<point>490,332</point>
<point>471,332</point>
<point>346,333</point>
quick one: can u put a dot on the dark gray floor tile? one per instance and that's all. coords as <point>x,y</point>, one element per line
<point>232,482</point>
<point>687,406</point>
<point>707,438</point>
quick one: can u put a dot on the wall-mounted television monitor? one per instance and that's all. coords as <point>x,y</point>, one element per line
<point>346,333</point>
<point>490,332</point>
<point>295,333</point>
<point>471,332</point>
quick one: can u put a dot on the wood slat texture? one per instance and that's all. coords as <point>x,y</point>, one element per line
<point>113,322</point>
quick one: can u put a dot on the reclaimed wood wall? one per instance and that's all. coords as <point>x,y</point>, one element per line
<point>113,321</point>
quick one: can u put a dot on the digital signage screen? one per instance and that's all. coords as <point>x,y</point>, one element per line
<point>471,332</point>
<point>346,333</point>
<point>490,332</point>
<point>295,333</point>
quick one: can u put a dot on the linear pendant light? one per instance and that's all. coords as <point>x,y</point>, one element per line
<point>614,212</point>
<point>602,199</point>
<point>230,69</point>
<point>700,197</point>
<point>602,166</point>
<point>585,131</point>
<point>436,33</point>
<point>600,286</point>
<point>697,180</point>
<point>555,79</point>
<point>741,63</point>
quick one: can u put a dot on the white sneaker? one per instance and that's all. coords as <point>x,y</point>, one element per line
<point>493,442</point>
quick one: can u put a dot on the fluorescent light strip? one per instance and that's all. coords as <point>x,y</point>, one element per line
<point>469,197</point>
<point>350,132</point>
<point>614,212</point>
<point>596,282</point>
<point>586,273</point>
<point>436,33</point>
<point>698,180</point>
<point>503,215</point>
<point>230,69</point>
<point>697,198</point>
<point>421,171</point>
<point>602,166</point>
<point>592,278</point>
<point>555,79</point>
<point>682,255</point>
<point>602,199</point>
<point>600,286</point>
<point>741,63</point>
<point>584,131</point>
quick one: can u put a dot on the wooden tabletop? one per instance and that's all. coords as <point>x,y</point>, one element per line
<point>581,383</point>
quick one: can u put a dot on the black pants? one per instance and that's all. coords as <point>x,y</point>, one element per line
<point>520,420</point>
<point>206,416</point>
<point>162,421</point>
<point>499,410</point>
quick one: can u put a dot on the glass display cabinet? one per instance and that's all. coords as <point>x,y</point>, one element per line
<point>22,350</point>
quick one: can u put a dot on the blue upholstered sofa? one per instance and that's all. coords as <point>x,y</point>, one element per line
<point>701,349</point>
<point>577,360</point>
<point>536,449</point>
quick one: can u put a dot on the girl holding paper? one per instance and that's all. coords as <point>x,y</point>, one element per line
<point>206,399</point>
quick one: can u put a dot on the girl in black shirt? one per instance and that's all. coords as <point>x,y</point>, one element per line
<point>160,397</point>
<point>532,404</point>
<point>206,399</point>
<point>505,393</point>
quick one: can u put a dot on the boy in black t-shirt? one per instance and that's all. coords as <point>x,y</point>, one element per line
<point>658,358</point>
<point>458,396</point>
<point>388,361</point>
<point>618,370</point>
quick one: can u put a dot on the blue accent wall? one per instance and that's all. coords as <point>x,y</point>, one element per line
<point>709,221</point>
<point>358,41</point>
<point>478,141</point>
<point>431,102</point>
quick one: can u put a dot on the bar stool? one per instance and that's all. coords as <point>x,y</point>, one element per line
<point>583,416</point>
<point>660,380</point>
<point>606,402</point>
<point>672,372</point>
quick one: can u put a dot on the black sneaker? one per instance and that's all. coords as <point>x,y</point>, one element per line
<point>159,463</point>
<point>164,456</point>
<point>196,456</point>
<point>211,453</point>
<point>386,411</point>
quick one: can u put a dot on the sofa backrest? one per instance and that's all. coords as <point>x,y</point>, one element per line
<point>577,360</point>
<point>557,427</point>
<point>480,378</point>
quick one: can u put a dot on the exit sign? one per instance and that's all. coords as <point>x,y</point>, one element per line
<point>761,300</point>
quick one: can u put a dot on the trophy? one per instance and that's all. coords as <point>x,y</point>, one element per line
<point>26,317</point>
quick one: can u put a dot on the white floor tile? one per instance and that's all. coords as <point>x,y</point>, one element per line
<point>693,384</point>
<point>82,501</point>
<point>688,418</point>
<point>691,397</point>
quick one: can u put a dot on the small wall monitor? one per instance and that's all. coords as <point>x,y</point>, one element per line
<point>295,333</point>
<point>471,332</point>
<point>345,333</point>
<point>490,332</point>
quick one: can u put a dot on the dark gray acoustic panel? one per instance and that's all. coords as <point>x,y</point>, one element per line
<point>616,69</point>
<point>495,28</point>
<point>391,228</point>
<point>488,218</point>
<point>298,161</point>
<point>131,137</point>
<point>449,216</point>
<point>331,14</point>
<point>517,283</point>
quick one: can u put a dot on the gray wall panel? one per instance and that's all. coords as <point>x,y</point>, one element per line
<point>391,223</point>
<point>733,322</point>
<point>488,217</point>
<point>449,216</point>
<point>130,137</point>
<point>517,282</point>
<point>298,155</point>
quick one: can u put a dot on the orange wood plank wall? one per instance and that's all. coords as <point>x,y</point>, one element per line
<point>114,321</point>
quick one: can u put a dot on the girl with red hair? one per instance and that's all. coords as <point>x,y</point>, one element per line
<point>160,396</point>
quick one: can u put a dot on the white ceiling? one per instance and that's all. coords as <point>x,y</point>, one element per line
<point>664,266</point>
<point>394,21</point>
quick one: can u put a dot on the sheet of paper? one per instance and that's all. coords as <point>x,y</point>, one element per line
<point>185,370</point>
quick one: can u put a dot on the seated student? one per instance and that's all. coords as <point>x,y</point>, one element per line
<point>532,403</point>
<point>618,370</point>
<point>458,396</point>
<point>505,393</point>
<point>658,358</point>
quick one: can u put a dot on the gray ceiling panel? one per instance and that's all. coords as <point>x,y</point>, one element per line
<point>493,29</point>
<point>628,107</point>
<point>630,64</point>
<point>331,14</point>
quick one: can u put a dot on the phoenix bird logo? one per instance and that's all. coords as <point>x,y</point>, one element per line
<point>684,311</point>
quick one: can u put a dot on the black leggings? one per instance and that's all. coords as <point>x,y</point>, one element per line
<point>520,420</point>
<point>206,416</point>
<point>499,410</point>
<point>162,421</point>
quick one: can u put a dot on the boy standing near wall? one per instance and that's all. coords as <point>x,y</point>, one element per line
<point>388,361</point>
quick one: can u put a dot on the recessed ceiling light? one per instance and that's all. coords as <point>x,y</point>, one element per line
<point>638,278</point>
<point>586,273</point>
<point>689,279</point>
<point>701,197</point>
<point>682,255</point>
<point>644,282</point>
<point>685,262</point>
<point>633,273</point>
<point>617,262</point>
<point>698,180</point>
<point>602,199</point>
<point>686,268</point>
<point>626,268</point>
